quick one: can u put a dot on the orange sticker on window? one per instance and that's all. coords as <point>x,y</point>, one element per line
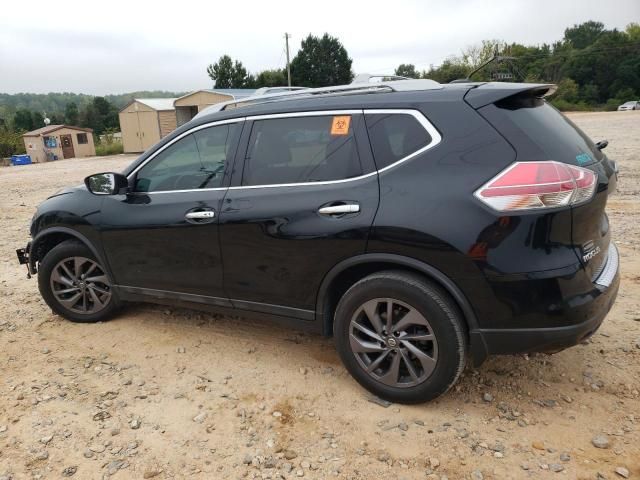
<point>340,125</point>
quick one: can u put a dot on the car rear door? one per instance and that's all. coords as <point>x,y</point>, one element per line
<point>303,200</point>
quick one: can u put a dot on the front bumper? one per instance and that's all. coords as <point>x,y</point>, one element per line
<point>597,302</point>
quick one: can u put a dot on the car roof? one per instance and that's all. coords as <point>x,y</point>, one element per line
<point>350,100</point>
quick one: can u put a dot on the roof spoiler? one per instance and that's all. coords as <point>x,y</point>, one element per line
<point>492,92</point>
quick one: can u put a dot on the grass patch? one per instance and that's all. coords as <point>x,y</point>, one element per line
<point>109,149</point>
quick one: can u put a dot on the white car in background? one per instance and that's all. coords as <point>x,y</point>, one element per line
<point>632,105</point>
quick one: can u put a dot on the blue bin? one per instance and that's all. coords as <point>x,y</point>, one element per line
<point>20,160</point>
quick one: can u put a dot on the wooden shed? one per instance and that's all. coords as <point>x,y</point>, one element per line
<point>144,121</point>
<point>189,105</point>
<point>55,142</point>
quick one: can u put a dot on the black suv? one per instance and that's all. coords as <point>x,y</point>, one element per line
<point>417,223</point>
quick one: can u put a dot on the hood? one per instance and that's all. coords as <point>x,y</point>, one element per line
<point>67,190</point>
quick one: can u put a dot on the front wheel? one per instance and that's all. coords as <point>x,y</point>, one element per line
<point>75,285</point>
<point>400,336</point>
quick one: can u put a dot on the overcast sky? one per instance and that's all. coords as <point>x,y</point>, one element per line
<point>123,46</point>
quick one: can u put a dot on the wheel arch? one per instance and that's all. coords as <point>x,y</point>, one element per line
<point>349,271</point>
<point>47,239</point>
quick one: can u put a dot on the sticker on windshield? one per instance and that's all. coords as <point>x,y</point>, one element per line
<point>583,158</point>
<point>340,125</point>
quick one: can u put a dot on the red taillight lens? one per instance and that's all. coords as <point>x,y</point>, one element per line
<point>528,185</point>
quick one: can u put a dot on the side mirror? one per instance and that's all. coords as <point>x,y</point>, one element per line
<point>602,144</point>
<point>106,183</point>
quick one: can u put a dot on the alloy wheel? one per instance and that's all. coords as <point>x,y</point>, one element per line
<point>393,342</point>
<point>80,284</point>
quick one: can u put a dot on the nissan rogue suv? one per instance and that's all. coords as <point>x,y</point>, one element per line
<point>419,224</point>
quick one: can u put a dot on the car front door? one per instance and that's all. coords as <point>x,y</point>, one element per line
<point>162,238</point>
<point>304,200</point>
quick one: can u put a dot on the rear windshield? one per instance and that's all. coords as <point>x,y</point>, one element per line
<point>540,132</point>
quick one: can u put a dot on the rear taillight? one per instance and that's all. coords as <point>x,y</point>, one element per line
<point>533,185</point>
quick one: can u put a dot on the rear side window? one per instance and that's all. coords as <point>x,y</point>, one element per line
<point>395,136</point>
<point>302,149</point>
<point>540,132</point>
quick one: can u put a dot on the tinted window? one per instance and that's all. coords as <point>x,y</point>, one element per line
<point>302,149</point>
<point>540,132</point>
<point>394,136</point>
<point>193,162</point>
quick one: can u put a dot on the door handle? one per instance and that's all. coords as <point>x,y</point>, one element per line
<point>339,209</point>
<point>200,216</point>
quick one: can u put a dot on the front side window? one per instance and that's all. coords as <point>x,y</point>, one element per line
<point>193,162</point>
<point>301,150</point>
<point>395,136</point>
<point>82,138</point>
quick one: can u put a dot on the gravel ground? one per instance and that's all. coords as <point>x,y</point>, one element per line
<point>171,393</point>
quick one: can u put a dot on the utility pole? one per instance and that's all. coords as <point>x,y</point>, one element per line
<point>287,36</point>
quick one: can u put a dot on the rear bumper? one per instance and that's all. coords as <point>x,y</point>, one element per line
<point>596,302</point>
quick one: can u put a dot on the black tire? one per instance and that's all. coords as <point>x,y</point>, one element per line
<point>68,250</point>
<point>444,321</point>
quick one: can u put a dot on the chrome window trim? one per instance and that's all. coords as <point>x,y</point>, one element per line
<point>179,137</point>
<point>436,138</point>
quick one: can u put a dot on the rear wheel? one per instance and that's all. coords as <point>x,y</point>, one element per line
<point>75,285</point>
<point>400,336</point>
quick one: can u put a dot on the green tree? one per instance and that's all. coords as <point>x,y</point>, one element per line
<point>71,114</point>
<point>221,72</point>
<point>90,118</point>
<point>475,55</point>
<point>98,115</point>
<point>633,31</point>
<point>590,93</point>
<point>56,118</point>
<point>38,119</point>
<point>451,69</point>
<point>598,68</point>
<point>567,90</point>
<point>407,70</point>
<point>23,120</point>
<point>271,78</point>
<point>228,74</point>
<point>240,78</point>
<point>321,62</point>
<point>583,35</point>
<point>11,143</point>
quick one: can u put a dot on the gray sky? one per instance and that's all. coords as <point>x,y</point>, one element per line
<point>122,46</point>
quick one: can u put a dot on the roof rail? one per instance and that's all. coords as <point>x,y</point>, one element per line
<point>350,89</point>
<point>366,78</point>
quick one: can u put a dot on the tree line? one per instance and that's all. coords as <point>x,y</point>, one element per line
<point>99,114</point>
<point>24,112</point>
<point>592,66</point>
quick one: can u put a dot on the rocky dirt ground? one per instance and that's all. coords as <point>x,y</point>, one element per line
<point>170,393</point>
